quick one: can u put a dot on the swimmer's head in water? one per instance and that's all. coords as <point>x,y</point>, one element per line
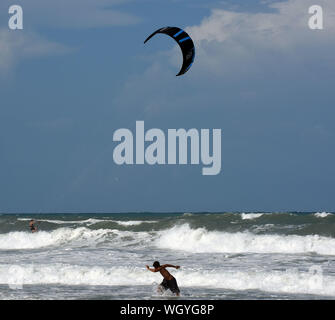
<point>156,264</point>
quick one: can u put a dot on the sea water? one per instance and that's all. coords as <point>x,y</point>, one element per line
<point>222,255</point>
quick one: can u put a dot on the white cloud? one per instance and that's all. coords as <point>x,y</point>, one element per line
<point>240,52</point>
<point>73,13</point>
<point>227,35</point>
<point>18,45</point>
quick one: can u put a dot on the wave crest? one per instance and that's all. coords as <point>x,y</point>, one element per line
<point>79,237</point>
<point>250,216</point>
<point>322,214</point>
<point>201,240</point>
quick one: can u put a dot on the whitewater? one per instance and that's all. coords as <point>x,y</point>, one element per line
<point>251,255</point>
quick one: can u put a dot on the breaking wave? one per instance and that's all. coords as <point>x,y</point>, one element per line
<point>79,237</point>
<point>290,281</point>
<point>181,237</point>
<point>249,216</point>
<point>322,214</point>
<point>200,240</point>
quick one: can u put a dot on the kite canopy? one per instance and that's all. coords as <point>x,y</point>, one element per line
<point>185,43</point>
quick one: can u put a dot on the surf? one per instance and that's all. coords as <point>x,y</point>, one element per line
<point>61,237</point>
<point>200,240</point>
<point>285,281</point>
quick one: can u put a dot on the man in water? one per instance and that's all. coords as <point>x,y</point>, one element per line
<point>169,281</point>
<point>32,226</point>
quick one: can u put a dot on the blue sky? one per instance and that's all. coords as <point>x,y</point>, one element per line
<point>79,71</point>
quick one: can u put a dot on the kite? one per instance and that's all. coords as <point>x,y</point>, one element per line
<point>185,43</point>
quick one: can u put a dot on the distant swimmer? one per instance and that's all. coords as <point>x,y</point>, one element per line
<point>169,281</point>
<point>32,226</point>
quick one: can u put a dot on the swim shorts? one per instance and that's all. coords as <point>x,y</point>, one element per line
<point>170,284</point>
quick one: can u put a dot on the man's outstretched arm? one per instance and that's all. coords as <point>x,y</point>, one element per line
<point>170,266</point>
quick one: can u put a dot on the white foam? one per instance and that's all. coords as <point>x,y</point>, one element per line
<point>28,240</point>
<point>61,236</point>
<point>250,216</point>
<point>201,240</point>
<point>73,275</point>
<point>89,221</point>
<point>269,281</point>
<point>132,223</point>
<point>322,214</point>
<point>180,237</point>
<point>92,221</point>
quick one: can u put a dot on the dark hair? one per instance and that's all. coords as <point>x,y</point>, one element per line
<point>156,264</point>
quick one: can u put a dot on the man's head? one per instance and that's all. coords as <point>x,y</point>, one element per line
<point>156,264</point>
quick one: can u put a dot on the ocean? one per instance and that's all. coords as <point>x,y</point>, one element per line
<point>222,255</point>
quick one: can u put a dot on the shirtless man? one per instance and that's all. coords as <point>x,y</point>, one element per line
<point>32,226</point>
<point>169,281</point>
